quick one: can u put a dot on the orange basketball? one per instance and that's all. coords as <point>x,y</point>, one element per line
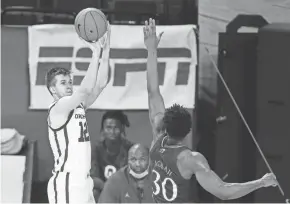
<point>91,24</point>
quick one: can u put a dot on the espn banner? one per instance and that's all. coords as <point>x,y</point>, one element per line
<point>59,45</point>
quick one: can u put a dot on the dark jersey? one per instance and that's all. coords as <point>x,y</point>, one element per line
<point>168,184</point>
<point>104,164</point>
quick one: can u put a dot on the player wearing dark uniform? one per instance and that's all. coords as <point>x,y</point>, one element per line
<point>110,153</point>
<point>107,163</point>
<point>172,164</point>
<point>165,173</point>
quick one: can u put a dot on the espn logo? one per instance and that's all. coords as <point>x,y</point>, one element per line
<point>67,57</point>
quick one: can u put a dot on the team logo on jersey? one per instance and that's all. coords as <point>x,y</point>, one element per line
<point>162,150</point>
<point>109,171</point>
<point>80,116</point>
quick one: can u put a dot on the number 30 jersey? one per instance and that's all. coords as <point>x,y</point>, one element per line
<point>70,143</point>
<point>167,183</point>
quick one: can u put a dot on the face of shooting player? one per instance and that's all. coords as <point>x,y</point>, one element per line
<point>59,82</point>
<point>138,161</point>
<point>112,129</point>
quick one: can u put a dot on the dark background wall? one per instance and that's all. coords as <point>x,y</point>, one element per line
<point>32,123</point>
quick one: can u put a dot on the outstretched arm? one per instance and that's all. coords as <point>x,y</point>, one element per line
<point>103,73</point>
<point>66,104</point>
<point>155,99</point>
<point>212,183</point>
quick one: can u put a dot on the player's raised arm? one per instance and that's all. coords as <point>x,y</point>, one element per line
<point>212,183</point>
<point>103,73</point>
<point>156,103</point>
<point>66,104</point>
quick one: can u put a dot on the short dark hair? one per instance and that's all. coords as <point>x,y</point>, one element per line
<point>177,121</point>
<point>50,75</point>
<point>117,115</point>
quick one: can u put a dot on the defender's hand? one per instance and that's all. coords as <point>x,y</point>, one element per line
<point>150,39</point>
<point>269,180</point>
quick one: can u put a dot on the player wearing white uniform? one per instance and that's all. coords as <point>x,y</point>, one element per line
<point>68,130</point>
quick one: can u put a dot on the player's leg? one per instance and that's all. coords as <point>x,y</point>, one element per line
<point>91,190</point>
<point>57,188</point>
<point>50,190</point>
<point>80,189</point>
<point>62,188</point>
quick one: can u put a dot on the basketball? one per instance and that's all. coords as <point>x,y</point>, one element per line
<point>91,24</point>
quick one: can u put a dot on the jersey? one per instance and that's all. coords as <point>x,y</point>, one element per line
<point>167,183</point>
<point>70,143</point>
<point>104,164</point>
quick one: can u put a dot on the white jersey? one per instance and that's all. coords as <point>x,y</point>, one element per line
<point>70,143</point>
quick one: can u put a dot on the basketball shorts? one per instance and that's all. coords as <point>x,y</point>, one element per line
<point>70,188</point>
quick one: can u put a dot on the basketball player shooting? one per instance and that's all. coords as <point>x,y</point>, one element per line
<point>173,164</point>
<point>68,130</point>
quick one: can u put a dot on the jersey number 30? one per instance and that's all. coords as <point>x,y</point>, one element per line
<point>84,135</point>
<point>165,182</point>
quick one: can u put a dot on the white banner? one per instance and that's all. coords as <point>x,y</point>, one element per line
<point>59,45</point>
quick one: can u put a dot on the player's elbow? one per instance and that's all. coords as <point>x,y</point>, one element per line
<point>223,197</point>
<point>223,193</point>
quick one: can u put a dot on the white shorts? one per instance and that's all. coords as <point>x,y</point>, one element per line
<point>70,188</point>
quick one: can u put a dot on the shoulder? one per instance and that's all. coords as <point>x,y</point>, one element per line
<point>185,157</point>
<point>57,106</point>
<point>188,154</point>
<point>98,148</point>
<point>192,160</point>
<point>62,100</point>
<point>111,188</point>
<point>99,144</point>
<point>117,177</point>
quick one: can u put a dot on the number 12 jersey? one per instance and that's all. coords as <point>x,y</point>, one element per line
<point>167,183</point>
<point>70,143</point>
